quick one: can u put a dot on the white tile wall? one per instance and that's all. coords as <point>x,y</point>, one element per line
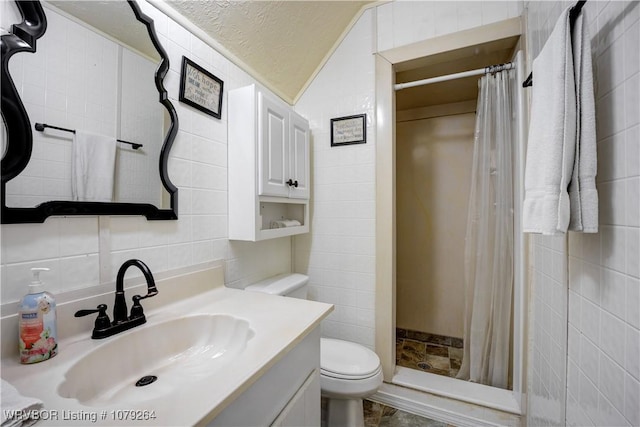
<point>9,15</point>
<point>547,331</point>
<point>339,252</point>
<point>141,121</point>
<point>198,162</point>
<point>603,278</point>
<point>404,22</point>
<point>57,88</point>
<point>65,83</point>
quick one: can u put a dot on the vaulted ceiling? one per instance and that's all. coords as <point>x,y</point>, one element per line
<point>284,42</point>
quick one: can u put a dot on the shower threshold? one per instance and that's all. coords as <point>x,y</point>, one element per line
<point>448,399</point>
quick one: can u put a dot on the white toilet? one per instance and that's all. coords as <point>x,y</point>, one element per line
<point>349,372</point>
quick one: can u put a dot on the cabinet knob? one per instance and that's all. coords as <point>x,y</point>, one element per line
<point>292,183</point>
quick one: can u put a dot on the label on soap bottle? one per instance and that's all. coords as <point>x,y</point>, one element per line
<point>37,325</point>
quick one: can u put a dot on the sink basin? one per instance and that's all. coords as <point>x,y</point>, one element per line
<point>177,352</point>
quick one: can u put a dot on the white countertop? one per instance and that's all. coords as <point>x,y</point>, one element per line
<point>278,324</point>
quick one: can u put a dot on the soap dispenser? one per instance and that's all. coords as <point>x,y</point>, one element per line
<point>38,338</point>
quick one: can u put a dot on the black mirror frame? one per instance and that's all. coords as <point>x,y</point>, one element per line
<point>19,137</point>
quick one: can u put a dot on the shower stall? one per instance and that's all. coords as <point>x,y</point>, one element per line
<point>430,245</point>
<point>454,195</point>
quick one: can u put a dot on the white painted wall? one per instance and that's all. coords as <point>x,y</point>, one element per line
<point>198,166</point>
<point>602,313</point>
<point>434,160</point>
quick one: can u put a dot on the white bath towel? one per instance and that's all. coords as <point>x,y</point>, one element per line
<point>93,160</point>
<point>552,133</point>
<point>17,410</point>
<point>583,195</point>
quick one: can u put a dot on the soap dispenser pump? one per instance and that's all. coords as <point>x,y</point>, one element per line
<point>38,339</point>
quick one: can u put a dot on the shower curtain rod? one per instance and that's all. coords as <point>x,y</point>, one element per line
<point>485,70</point>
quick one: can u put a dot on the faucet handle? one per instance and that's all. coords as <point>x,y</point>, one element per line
<point>152,291</point>
<point>102,321</point>
<point>136,308</point>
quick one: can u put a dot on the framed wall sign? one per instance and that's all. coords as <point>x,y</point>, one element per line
<point>349,130</point>
<point>200,89</point>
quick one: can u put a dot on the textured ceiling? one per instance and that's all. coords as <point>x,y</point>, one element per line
<point>283,41</point>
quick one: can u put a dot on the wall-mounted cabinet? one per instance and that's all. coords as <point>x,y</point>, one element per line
<point>268,167</point>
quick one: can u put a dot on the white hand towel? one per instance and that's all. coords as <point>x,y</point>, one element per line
<point>551,145</point>
<point>582,189</point>
<point>17,410</point>
<point>93,159</point>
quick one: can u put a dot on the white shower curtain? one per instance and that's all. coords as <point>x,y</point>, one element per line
<point>488,254</point>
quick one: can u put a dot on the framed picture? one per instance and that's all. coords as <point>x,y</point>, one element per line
<point>200,89</point>
<point>349,130</point>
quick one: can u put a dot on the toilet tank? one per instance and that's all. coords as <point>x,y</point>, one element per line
<point>289,284</point>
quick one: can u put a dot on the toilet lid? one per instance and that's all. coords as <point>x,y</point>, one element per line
<point>344,359</point>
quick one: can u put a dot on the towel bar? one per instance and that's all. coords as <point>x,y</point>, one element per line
<point>573,15</point>
<point>40,127</point>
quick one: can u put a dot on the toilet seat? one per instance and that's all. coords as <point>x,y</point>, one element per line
<point>346,360</point>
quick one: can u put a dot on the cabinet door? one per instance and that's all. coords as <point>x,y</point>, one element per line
<point>299,160</point>
<point>304,407</point>
<point>273,148</point>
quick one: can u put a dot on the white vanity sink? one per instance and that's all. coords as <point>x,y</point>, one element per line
<point>177,352</point>
<point>212,364</point>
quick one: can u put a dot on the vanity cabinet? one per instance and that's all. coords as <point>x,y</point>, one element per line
<point>268,166</point>
<point>288,394</point>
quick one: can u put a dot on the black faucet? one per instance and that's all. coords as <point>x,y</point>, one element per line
<point>103,327</point>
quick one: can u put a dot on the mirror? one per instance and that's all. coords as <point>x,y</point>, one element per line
<point>107,81</point>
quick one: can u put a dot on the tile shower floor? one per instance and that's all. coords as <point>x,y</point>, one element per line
<point>431,353</point>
